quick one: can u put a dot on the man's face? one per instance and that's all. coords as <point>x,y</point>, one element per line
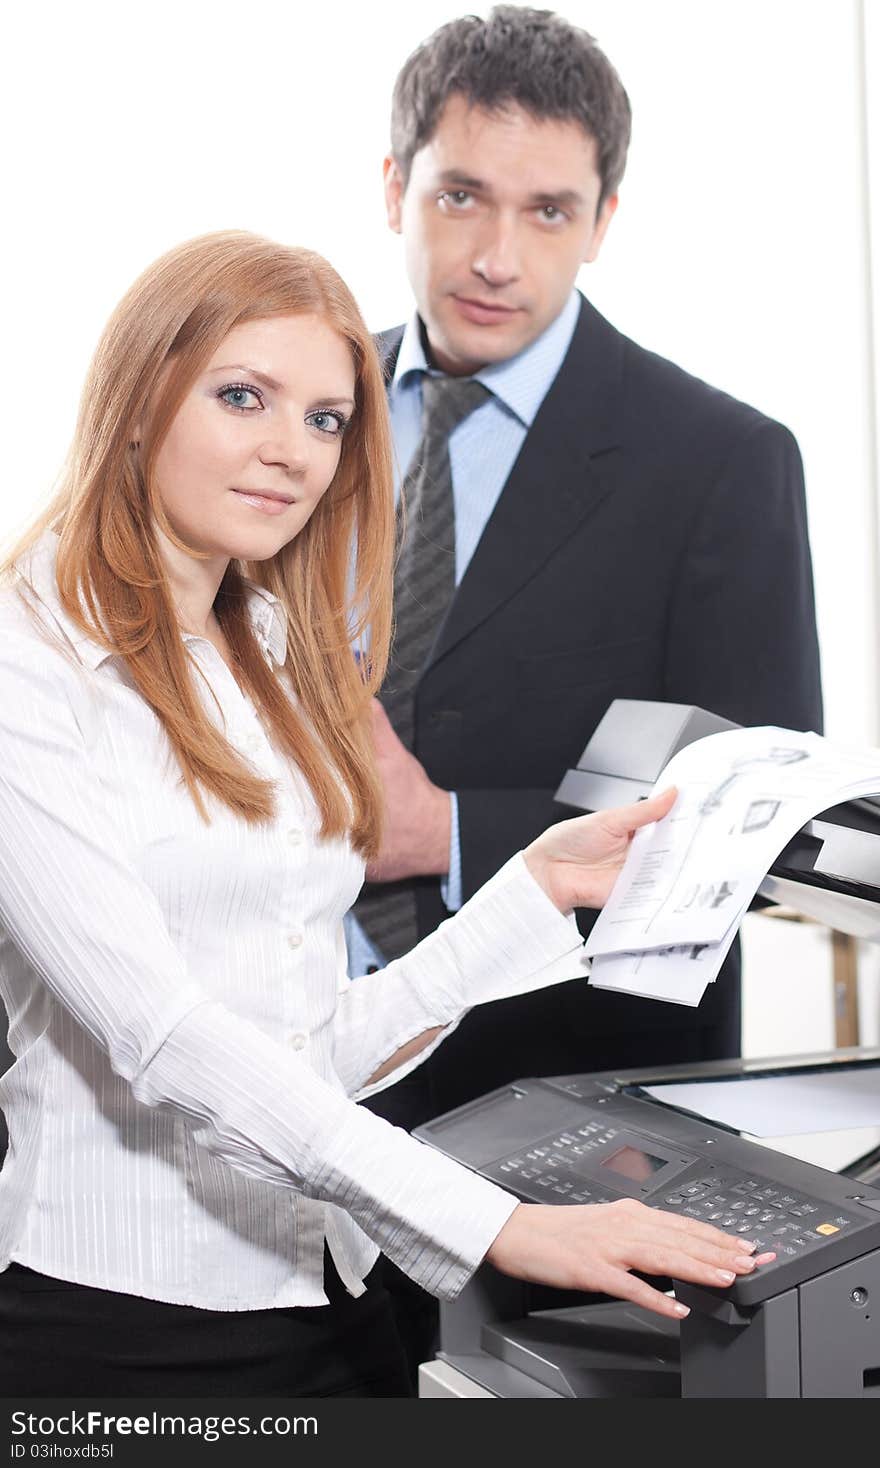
<point>498,214</point>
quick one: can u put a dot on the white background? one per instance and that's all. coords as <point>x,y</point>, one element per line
<point>741,248</point>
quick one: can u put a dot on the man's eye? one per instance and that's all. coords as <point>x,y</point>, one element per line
<point>333,424</point>
<point>242,398</point>
<point>550,214</point>
<point>456,199</point>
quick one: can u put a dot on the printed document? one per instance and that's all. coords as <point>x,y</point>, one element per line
<point>688,879</point>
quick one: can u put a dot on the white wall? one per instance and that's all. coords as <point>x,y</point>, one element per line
<point>740,247</point>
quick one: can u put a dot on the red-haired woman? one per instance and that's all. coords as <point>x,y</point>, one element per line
<point>192,1202</point>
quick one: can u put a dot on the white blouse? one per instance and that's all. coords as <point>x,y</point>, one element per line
<point>186,1037</point>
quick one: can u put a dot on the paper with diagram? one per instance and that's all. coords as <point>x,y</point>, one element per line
<point>677,975</point>
<point>688,880</point>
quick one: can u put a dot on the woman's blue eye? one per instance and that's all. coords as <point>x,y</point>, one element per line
<point>326,422</point>
<point>244,399</point>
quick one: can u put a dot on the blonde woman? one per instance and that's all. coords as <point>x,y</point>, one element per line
<point>192,1202</point>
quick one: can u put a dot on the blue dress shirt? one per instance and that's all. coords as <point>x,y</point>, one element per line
<point>482,452</point>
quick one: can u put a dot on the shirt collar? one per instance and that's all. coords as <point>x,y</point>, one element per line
<point>37,570</point>
<point>521,383</point>
<point>269,621</point>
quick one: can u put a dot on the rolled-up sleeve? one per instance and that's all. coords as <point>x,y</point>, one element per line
<point>507,939</point>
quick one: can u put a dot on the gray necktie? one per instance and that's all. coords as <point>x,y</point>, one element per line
<point>424,581</point>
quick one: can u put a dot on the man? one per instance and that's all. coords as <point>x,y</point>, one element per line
<point>585,523</point>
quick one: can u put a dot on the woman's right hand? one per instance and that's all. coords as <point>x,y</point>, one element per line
<point>594,1247</point>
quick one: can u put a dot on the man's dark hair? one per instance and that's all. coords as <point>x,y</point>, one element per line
<point>529,58</point>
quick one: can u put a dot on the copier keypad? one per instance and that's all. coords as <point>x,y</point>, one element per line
<point>563,1169</point>
<point>755,1208</point>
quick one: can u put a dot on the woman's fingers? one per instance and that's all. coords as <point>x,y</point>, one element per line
<point>628,818</point>
<point>595,1247</point>
<point>661,1243</point>
<point>693,1227</point>
<point>736,1261</point>
<point>624,1286</point>
<point>640,1215</point>
<point>701,1239</point>
<point>679,1263</point>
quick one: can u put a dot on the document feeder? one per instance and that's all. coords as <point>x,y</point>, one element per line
<point>838,850</point>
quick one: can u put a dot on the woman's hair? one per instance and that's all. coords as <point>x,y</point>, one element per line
<point>333,579</point>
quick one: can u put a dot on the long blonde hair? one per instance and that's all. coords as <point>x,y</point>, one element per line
<point>333,578</point>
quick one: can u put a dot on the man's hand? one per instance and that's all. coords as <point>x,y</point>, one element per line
<point>577,861</point>
<point>595,1246</point>
<point>418,814</point>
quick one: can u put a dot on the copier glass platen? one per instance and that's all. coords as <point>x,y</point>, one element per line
<point>807,1324</point>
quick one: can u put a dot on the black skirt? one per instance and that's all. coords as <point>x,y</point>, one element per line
<point>59,1339</point>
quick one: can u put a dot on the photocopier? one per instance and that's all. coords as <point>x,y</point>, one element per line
<point>806,1325</point>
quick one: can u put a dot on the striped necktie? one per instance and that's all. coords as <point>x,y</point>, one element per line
<point>424,582</point>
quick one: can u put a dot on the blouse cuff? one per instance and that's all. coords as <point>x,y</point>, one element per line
<point>508,939</point>
<point>437,1218</point>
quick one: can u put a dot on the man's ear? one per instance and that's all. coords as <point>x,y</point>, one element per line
<point>394,192</point>
<point>603,219</point>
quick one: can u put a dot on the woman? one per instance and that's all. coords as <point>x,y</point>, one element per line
<point>191,1202</point>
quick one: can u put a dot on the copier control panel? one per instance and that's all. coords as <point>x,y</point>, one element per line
<point>577,1139</point>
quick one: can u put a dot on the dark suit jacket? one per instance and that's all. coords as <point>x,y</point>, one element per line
<point>650,543</point>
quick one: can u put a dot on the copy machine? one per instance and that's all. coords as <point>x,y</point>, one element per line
<point>806,1325</point>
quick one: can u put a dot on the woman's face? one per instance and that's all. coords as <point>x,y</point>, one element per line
<point>256,441</point>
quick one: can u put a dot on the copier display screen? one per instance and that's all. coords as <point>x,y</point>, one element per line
<point>633,1163</point>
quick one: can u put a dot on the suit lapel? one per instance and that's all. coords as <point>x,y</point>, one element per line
<point>553,485</point>
<point>388,347</point>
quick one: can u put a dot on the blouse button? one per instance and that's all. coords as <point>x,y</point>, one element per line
<point>298,1042</point>
<point>294,940</point>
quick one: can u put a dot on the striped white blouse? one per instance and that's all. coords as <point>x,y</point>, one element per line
<point>185,1034</point>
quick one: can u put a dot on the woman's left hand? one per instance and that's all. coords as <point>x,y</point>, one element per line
<point>577,861</point>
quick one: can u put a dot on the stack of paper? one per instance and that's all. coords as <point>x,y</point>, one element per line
<point>689,879</point>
